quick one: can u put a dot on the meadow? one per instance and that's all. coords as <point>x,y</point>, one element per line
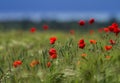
<point>60,57</point>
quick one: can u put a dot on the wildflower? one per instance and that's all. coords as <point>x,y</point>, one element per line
<point>81,43</point>
<point>91,21</point>
<point>114,28</point>
<point>81,22</point>
<point>112,41</point>
<point>48,64</point>
<point>111,28</point>
<point>84,55</point>
<point>108,48</point>
<point>106,29</point>
<point>53,56</point>
<point>116,31</point>
<point>17,63</point>
<point>33,29</point>
<point>34,63</point>
<point>93,41</point>
<point>100,30</point>
<point>108,57</point>
<point>52,51</point>
<point>115,24</point>
<point>45,27</point>
<point>52,40</point>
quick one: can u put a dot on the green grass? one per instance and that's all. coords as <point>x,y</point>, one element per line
<point>69,67</point>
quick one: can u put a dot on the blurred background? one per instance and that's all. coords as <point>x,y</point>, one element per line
<point>57,14</point>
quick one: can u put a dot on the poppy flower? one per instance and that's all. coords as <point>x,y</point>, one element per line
<point>108,57</point>
<point>116,31</point>
<point>82,45</point>
<point>81,22</point>
<point>91,21</point>
<point>45,27</point>
<point>114,28</point>
<point>34,63</point>
<point>81,41</point>
<point>53,56</point>
<point>112,41</point>
<point>108,48</point>
<point>111,28</point>
<point>84,55</point>
<point>100,30</point>
<point>33,29</point>
<point>52,40</point>
<point>52,51</point>
<point>115,25</point>
<point>93,41</point>
<point>48,64</point>
<point>17,63</point>
<point>106,29</point>
<point>72,32</point>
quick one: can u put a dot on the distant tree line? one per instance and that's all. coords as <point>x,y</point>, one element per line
<point>53,25</point>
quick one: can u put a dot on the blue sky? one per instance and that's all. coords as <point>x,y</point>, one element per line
<point>110,6</point>
<point>44,6</point>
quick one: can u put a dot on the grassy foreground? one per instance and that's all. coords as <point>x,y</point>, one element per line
<point>92,64</point>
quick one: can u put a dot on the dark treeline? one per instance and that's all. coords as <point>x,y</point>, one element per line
<point>53,25</point>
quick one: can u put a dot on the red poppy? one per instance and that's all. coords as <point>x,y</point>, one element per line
<point>115,25</point>
<point>112,41</point>
<point>48,64</point>
<point>45,27</point>
<point>111,28</point>
<point>82,45</point>
<point>52,40</point>
<point>114,28</point>
<point>108,48</point>
<point>33,29</point>
<point>17,63</point>
<point>93,41</point>
<point>81,22</point>
<point>52,51</point>
<point>106,29</point>
<point>116,31</point>
<point>53,56</point>
<point>91,21</point>
<point>81,41</point>
<point>100,30</point>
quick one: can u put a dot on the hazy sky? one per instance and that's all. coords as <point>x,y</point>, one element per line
<point>109,6</point>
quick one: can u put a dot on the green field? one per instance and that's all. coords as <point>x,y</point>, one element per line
<point>92,64</point>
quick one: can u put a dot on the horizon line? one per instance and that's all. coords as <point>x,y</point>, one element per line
<point>62,16</point>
